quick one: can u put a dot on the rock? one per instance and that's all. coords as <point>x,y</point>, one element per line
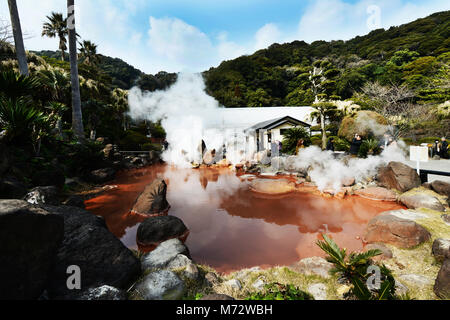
<point>263,157</point>
<point>180,261</point>
<point>155,230</point>
<point>75,201</point>
<point>234,284</point>
<point>224,163</point>
<point>442,283</point>
<point>88,244</point>
<point>348,182</point>
<point>441,249</point>
<point>318,291</point>
<point>441,187</point>
<point>11,188</point>
<point>152,200</point>
<point>400,289</point>
<point>103,293</point>
<point>43,195</point>
<point>211,279</point>
<point>108,152</point>
<point>191,272</point>
<point>446,218</point>
<point>217,297</point>
<point>272,186</point>
<point>102,175</point>
<point>258,284</point>
<point>396,231</point>
<point>416,279</point>
<point>406,214</point>
<point>291,164</point>
<point>163,254</point>
<point>29,237</point>
<point>160,285</point>
<point>386,252</point>
<point>208,157</point>
<point>399,176</point>
<point>51,177</point>
<point>277,163</point>
<point>377,193</point>
<point>416,200</point>
<point>313,266</point>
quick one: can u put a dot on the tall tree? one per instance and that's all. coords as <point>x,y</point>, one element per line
<point>57,27</point>
<point>77,117</point>
<point>88,53</point>
<point>324,111</point>
<point>18,38</point>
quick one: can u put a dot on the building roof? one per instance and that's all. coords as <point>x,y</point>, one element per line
<point>273,123</point>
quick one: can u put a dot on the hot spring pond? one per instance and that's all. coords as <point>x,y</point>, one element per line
<point>232,227</point>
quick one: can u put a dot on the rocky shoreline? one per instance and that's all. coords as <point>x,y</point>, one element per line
<point>45,238</point>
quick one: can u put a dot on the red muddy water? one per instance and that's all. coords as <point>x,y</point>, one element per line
<point>232,227</point>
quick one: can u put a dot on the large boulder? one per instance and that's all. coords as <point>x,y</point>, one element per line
<point>154,231</point>
<point>11,188</point>
<point>29,238</point>
<point>441,249</point>
<point>272,186</point>
<point>208,157</point>
<point>102,258</point>
<point>441,187</point>
<point>442,283</point>
<point>415,199</point>
<point>160,285</point>
<point>393,230</point>
<point>377,193</point>
<point>102,175</point>
<point>43,195</point>
<point>152,200</point>
<point>167,252</point>
<point>399,176</point>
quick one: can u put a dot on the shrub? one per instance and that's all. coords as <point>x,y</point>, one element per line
<point>429,140</point>
<point>362,123</point>
<point>278,291</point>
<point>133,141</point>
<point>369,146</point>
<point>291,138</point>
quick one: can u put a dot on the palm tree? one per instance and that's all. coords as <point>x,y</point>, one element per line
<point>88,53</point>
<point>18,38</point>
<point>77,117</point>
<point>57,27</point>
<point>291,138</point>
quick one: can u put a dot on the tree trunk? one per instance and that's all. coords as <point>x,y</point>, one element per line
<point>324,132</point>
<point>18,38</point>
<point>77,117</point>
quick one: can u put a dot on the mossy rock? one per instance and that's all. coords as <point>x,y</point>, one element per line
<point>364,123</point>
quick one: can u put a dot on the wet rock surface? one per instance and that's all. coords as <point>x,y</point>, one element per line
<point>377,193</point>
<point>29,237</point>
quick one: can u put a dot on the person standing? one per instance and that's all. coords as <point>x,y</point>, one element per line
<point>330,145</point>
<point>356,145</point>
<point>444,148</point>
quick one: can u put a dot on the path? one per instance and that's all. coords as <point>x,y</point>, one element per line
<point>438,165</point>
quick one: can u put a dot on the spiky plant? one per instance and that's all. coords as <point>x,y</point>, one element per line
<point>353,268</point>
<point>14,86</point>
<point>291,138</point>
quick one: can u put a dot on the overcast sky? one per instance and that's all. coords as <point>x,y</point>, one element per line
<point>194,35</point>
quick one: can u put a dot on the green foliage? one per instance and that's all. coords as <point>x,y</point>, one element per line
<point>353,269</point>
<point>278,291</point>
<point>429,140</point>
<point>15,86</point>
<point>369,147</point>
<point>133,141</point>
<point>339,144</point>
<point>291,138</point>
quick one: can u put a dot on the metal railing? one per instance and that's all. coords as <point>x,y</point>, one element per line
<point>424,174</point>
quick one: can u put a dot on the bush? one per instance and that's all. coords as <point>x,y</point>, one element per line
<point>152,147</point>
<point>316,141</point>
<point>429,140</point>
<point>369,146</point>
<point>362,124</point>
<point>339,144</point>
<point>291,138</point>
<point>133,141</point>
<point>278,291</point>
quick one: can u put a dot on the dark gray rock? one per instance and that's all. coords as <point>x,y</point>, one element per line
<point>88,244</point>
<point>75,201</point>
<point>29,238</point>
<point>441,187</point>
<point>155,230</point>
<point>103,293</point>
<point>43,195</point>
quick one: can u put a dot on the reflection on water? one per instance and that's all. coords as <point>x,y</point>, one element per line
<point>232,227</point>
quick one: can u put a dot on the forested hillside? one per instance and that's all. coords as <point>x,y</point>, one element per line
<point>415,54</point>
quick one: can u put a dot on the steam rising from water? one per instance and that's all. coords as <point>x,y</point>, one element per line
<point>189,116</point>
